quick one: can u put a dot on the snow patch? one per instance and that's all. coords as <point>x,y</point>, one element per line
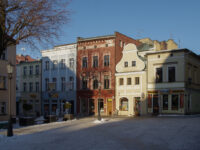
<point>99,121</point>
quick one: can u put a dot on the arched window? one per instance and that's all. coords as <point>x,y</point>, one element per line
<point>124,104</point>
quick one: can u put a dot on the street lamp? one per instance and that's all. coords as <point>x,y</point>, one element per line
<point>99,114</point>
<point>10,72</point>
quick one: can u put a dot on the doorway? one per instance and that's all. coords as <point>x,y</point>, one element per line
<point>155,104</point>
<point>91,106</point>
<point>109,107</point>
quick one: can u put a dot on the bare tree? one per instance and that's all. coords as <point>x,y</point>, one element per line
<point>27,21</point>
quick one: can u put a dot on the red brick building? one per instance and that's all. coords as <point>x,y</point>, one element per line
<point>96,61</point>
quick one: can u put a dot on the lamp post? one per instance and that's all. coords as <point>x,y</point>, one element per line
<point>10,72</point>
<point>99,114</point>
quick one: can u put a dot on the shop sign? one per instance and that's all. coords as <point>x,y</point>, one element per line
<point>109,99</point>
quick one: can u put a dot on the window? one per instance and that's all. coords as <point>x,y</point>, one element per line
<point>24,84</point>
<point>84,62</point>
<point>174,102</point>
<point>95,83</point>
<point>128,81</point>
<point>137,80</point>
<point>55,63</point>
<point>106,60</point>
<point>24,69</point>
<point>125,64</point>
<point>71,80</point>
<point>124,104</point>
<point>120,43</point>
<point>30,87</point>
<point>133,63</point>
<point>47,65</point>
<point>2,82</point>
<point>71,63</point>
<point>47,84</point>
<point>121,81</point>
<point>106,82</point>
<point>62,83</point>
<point>55,84</point>
<point>3,55</point>
<point>84,83</point>
<point>158,75</point>
<point>62,63</point>
<point>37,86</point>
<point>165,102</point>
<point>171,74</point>
<point>2,108</point>
<point>30,70</point>
<point>95,61</point>
<point>37,71</point>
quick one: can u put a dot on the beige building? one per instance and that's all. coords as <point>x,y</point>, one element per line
<point>8,57</point>
<point>29,87</point>
<point>131,83</point>
<point>173,81</point>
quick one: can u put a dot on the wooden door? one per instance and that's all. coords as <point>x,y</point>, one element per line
<point>109,107</point>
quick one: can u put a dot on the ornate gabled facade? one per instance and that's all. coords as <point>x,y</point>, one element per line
<point>131,83</point>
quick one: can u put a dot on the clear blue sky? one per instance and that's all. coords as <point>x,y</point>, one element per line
<point>156,19</point>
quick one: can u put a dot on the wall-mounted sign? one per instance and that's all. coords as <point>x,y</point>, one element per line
<point>109,99</point>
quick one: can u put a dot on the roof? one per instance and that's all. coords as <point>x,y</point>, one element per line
<point>79,39</point>
<point>22,58</point>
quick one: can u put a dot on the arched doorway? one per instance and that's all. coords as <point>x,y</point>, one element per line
<point>123,104</point>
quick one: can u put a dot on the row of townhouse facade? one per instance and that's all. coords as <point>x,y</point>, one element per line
<point>115,74</point>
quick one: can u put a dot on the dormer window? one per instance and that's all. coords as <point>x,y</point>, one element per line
<point>133,63</point>
<point>126,64</point>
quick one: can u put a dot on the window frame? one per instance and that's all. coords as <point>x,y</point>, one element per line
<point>106,60</point>
<point>137,80</point>
<point>84,62</point>
<point>156,79</point>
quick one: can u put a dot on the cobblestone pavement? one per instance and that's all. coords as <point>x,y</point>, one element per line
<point>148,133</point>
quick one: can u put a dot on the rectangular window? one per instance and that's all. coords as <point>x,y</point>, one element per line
<point>24,70</point>
<point>128,81</point>
<point>84,83</point>
<point>84,62</point>
<point>71,81</point>
<point>174,102</point>
<point>95,61</point>
<point>62,83</point>
<point>30,87</point>
<point>62,63</point>
<point>47,84</point>
<point>133,63</point>
<point>137,80</point>
<point>95,83</point>
<point>55,63</point>
<point>71,63</point>
<point>37,88</point>
<point>106,60</point>
<point>30,70</point>
<point>37,71</point>
<point>121,81</point>
<point>24,84</point>
<point>2,108</point>
<point>125,64</point>
<point>159,75</point>
<point>165,102</point>
<point>106,82</point>
<point>2,82</point>
<point>55,84</point>
<point>46,65</point>
<point>171,74</point>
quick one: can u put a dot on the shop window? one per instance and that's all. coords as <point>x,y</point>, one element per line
<point>171,74</point>
<point>100,105</point>
<point>174,102</point>
<point>106,82</point>
<point>2,108</point>
<point>165,102</point>
<point>121,81</point>
<point>95,61</point>
<point>128,81</point>
<point>181,100</point>
<point>159,75</point>
<point>137,80</point>
<point>124,104</point>
<point>84,62</point>
<point>149,100</point>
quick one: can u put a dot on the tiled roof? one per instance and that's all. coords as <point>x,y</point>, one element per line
<point>22,58</point>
